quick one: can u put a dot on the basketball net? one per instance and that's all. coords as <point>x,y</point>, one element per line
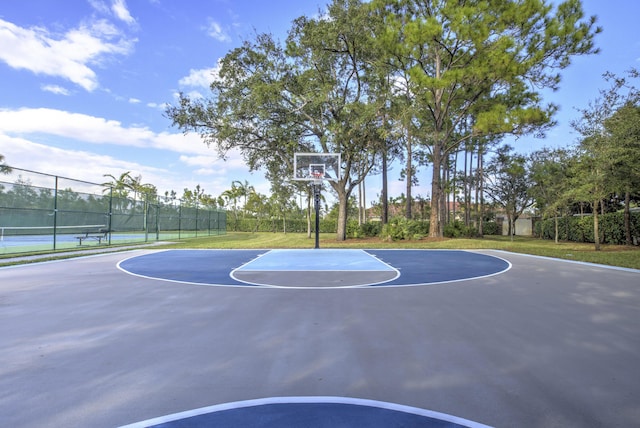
<point>317,177</point>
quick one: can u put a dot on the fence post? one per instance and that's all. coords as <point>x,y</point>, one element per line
<point>179,219</point>
<point>110,213</point>
<point>55,213</point>
<point>196,219</point>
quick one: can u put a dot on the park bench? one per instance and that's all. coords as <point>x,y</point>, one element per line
<point>94,235</point>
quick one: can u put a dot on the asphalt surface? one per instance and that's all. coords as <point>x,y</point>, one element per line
<point>545,344</point>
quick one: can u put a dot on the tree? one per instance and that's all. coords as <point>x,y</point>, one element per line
<point>119,189</point>
<point>483,63</point>
<point>550,182</point>
<point>231,196</point>
<point>4,169</point>
<point>508,184</point>
<point>243,190</point>
<point>590,181</point>
<point>310,96</point>
<point>624,128</point>
<point>608,151</point>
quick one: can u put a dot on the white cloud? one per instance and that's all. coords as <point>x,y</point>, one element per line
<point>158,106</point>
<point>69,56</point>
<point>211,165</point>
<point>95,130</point>
<point>198,160</point>
<point>201,78</point>
<point>55,89</point>
<point>77,164</point>
<point>134,101</point>
<point>119,8</point>
<point>216,31</point>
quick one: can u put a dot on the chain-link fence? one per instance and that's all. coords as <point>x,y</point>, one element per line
<point>40,212</point>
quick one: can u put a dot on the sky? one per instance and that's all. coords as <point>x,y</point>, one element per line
<point>84,85</point>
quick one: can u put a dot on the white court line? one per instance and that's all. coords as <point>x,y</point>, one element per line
<point>577,262</point>
<point>308,400</point>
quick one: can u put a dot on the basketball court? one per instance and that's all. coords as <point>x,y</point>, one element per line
<point>318,338</point>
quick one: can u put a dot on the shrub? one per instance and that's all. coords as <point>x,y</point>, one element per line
<point>370,228</point>
<point>457,229</point>
<point>490,228</point>
<point>580,228</point>
<point>399,228</point>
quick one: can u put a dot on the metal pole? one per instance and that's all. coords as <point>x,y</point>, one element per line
<point>110,213</point>
<point>316,199</point>
<point>55,213</point>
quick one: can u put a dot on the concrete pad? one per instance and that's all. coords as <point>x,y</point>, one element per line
<point>546,343</point>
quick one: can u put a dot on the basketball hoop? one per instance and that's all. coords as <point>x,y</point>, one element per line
<point>317,177</point>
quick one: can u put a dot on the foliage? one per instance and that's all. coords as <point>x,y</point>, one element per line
<point>491,228</point>
<point>400,228</point>
<point>310,95</point>
<point>580,228</point>
<point>457,229</point>
<point>608,151</point>
<point>4,168</point>
<point>478,63</point>
<point>370,229</point>
<point>509,184</point>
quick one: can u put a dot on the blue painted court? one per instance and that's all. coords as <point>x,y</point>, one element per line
<point>308,412</point>
<point>319,268</point>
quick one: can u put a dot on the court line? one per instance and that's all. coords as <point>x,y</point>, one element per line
<point>155,278</point>
<point>370,285</point>
<point>308,400</point>
<point>577,262</point>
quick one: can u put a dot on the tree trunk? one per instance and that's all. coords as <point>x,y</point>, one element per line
<point>360,209</point>
<point>480,189</point>
<point>627,218</point>
<point>409,177</point>
<point>596,229</point>
<point>364,201</point>
<point>448,183</point>
<point>384,196</point>
<point>557,232</point>
<point>436,194</point>
<point>343,198</point>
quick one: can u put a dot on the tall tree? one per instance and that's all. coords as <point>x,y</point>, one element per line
<point>624,128</point>
<point>508,184</point>
<point>550,182</point>
<point>484,60</point>
<point>609,148</point>
<point>244,190</point>
<point>270,101</point>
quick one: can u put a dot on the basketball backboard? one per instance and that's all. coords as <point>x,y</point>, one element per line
<point>316,166</point>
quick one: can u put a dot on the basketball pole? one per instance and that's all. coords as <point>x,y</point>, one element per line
<point>316,199</point>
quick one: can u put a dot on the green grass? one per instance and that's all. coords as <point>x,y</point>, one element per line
<point>613,255</point>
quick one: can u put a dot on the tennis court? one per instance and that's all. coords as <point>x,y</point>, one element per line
<point>299,338</point>
<point>15,240</point>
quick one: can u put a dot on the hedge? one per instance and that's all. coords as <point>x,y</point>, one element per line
<point>580,228</point>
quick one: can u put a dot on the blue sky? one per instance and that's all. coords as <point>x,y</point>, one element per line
<point>83,84</point>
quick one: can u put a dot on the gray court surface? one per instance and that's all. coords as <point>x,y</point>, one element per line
<point>546,343</point>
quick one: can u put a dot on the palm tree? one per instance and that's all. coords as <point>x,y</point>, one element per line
<point>232,195</point>
<point>244,190</point>
<point>119,188</point>
<point>4,169</point>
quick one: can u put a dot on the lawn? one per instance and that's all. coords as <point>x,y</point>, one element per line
<point>613,255</point>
